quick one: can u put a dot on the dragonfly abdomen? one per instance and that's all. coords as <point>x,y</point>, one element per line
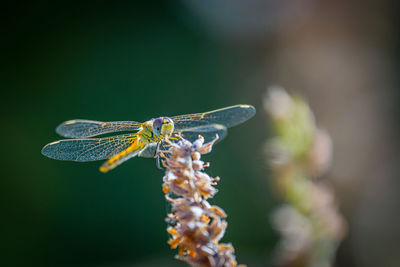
<point>124,155</point>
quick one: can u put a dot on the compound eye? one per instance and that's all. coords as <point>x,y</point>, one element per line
<point>157,123</point>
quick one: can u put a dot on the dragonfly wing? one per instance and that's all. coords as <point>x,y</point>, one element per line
<point>89,149</point>
<point>87,128</point>
<point>229,116</point>
<point>209,132</point>
<point>149,151</point>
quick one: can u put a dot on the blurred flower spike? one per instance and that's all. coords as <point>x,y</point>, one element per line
<point>195,226</point>
<point>298,152</point>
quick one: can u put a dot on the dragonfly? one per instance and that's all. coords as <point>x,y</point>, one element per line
<point>139,139</point>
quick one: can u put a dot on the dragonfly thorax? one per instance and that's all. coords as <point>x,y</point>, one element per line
<point>163,126</point>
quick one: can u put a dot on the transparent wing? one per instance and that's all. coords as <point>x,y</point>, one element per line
<point>209,132</point>
<point>87,128</point>
<point>149,151</point>
<point>89,149</point>
<point>229,116</point>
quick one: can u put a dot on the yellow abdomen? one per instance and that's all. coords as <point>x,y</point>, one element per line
<point>131,151</point>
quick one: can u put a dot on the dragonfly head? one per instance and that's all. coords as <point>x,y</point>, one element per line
<point>163,126</point>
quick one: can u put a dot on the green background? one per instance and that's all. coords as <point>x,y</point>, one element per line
<point>119,62</point>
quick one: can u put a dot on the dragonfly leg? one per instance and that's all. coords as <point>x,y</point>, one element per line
<point>156,155</point>
<point>158,162</point>
<point>157,149</point>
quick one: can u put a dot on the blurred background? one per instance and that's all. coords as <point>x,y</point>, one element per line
<point>117,61</point>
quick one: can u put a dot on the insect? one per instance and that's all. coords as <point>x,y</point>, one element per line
<point>146,139</point>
